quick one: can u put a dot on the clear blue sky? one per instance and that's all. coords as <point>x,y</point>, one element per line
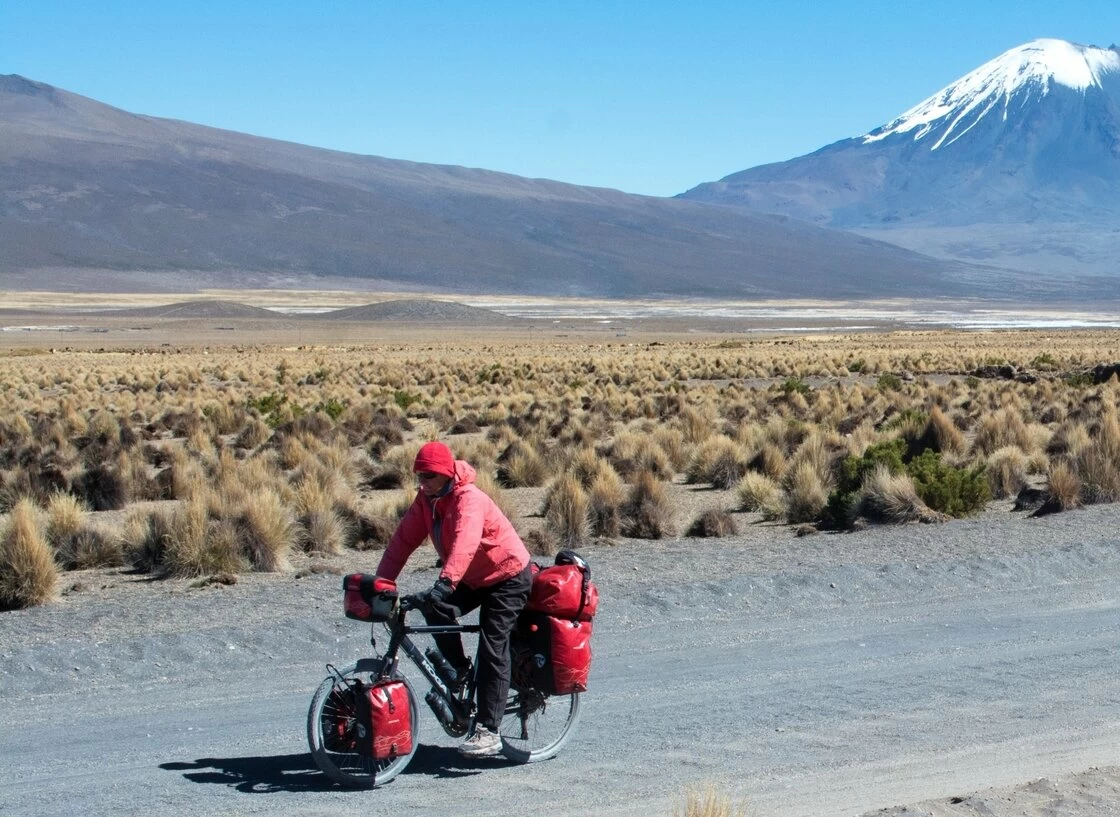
<point>648,97</point>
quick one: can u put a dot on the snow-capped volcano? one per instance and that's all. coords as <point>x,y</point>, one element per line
<point>1016,163</point>
<point>1019,77</point>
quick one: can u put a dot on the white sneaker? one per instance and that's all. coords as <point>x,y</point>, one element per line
<point>483,743</point>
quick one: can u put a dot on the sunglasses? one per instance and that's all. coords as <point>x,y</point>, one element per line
<point>426,475</point>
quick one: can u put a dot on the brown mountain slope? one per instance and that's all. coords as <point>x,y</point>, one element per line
<point>89,187</point>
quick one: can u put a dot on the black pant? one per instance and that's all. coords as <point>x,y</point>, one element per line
<point>499,606</point>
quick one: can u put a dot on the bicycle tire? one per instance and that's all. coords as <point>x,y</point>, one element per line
<point>329,720</point>
<point>536,727</point>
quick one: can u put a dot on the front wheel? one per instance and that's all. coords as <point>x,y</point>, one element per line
<point>332,725</point>
<point>535,726</point>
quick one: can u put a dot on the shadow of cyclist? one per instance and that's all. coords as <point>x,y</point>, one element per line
<point>256,775</point>
<point>275,773</point>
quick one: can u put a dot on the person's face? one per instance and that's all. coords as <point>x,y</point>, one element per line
<point>432,484</point>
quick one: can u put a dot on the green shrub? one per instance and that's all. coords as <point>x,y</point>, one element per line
<point>275,409</point>
<point>1044,361</point>
<point>333,408</point>
<point>888,382</point>
<point>266,405</point>
<point>837,511</point>
<point>943,487</point>
<point>795,384</point>
<point>404,399</point>
<point>906,417</point>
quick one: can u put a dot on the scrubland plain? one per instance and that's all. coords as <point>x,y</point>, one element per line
<point>198,459</point>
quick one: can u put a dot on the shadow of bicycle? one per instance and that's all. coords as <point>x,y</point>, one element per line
<point>298,773</point>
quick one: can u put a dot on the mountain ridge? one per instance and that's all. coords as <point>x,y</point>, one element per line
<point>90,187</point>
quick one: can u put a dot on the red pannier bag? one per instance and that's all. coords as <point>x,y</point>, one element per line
<point>564,590</point>
<point>384,721</point>
<point>366,597</point>
<point>556,653</point>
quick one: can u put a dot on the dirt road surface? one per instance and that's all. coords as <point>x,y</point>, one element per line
<point>824,675</point>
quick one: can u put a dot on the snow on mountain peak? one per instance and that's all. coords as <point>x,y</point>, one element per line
<point>1034,67</point>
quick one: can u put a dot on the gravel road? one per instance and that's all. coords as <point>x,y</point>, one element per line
<point>824,675</point>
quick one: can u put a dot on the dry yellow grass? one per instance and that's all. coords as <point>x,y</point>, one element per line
<point>887,497</point>
<point>123,425</point>
<point>28,573</point>
<point>759,493</point>
<point>708,801</point>
<point>567,514</point>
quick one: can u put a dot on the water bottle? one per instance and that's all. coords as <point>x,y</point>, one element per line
<point>440,707</point>
<point>444,670</point>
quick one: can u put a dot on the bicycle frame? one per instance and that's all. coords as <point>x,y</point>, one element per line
<point>461,707</point>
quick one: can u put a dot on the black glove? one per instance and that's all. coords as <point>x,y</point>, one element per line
<point>438,594</point>
<point>440,591</point>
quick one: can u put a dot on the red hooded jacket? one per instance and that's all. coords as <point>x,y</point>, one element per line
<point>475,541</point>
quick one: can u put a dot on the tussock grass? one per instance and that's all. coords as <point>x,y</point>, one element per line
<point>76,543</point>
<point>770,461</point>
<point>606,496</point>
<point>806,493</point>
<point>521,467</point>
<point>144,538</point>
<point>713,523</point>
<point>492,488</point>
<point>759,493</point>
<point>541,542</point>
<point>102,487</point>
<point>119,427</point>
<point>941,434</point>
<point>188,477</point>
<point>267,532</point>
<point>717,460</point>
<point>632,452</point>
<point>321,528</point>
<point>195,547</point>
<point>28,573</point>
<point>585,464</point>
<point>1064,487</point>
<point>1003,428</point>
<point>708,801</point>
<point>647,513</point>
<point>890,498</point>
<point>1007,471</point>
<point>567,514</point>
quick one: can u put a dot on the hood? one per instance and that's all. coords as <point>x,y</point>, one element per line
<point>464,474</point>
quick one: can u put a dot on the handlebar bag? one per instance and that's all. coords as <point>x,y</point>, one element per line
<point>564,590</point>
<point>555,654</point>
<point>366,597</point>
<point>384,729</point>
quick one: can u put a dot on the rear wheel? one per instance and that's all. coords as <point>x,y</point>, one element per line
<point>332,729</point>
<point>535,726</point>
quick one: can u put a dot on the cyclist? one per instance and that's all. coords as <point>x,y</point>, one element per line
<point>484,565</point>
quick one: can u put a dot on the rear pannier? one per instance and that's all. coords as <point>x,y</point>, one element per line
<point>565,590</point>
<point>554,654</point>
<point>553,636</point>
<point>366,597</point>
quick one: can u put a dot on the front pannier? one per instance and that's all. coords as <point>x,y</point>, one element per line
<point>366,597</point>
<point>384,728</point>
